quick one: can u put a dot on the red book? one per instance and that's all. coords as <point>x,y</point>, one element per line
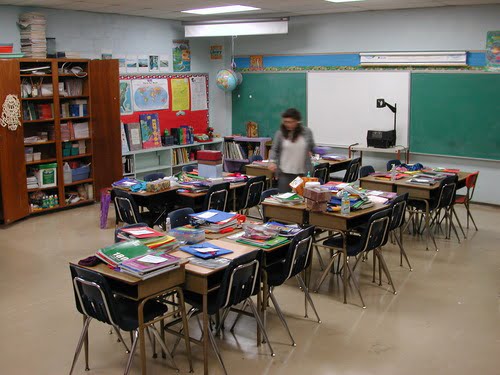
<point>142,232</point>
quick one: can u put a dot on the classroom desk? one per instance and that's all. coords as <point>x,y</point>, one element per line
<point>203,280</point>
<point>260,170</point>
<point>136,289</point>
<point>295,214</point>
<point>154,201</point>
<point>336,165</point>
<point>192,197</point>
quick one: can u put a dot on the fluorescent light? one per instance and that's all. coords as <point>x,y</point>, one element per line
<point>261,26</point>
<point>343,1</point>
<point>219,10</point>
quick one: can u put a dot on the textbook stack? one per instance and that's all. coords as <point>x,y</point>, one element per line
<point>216,221</point>
<point>33,41</point>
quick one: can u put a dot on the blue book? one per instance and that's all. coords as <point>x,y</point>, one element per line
<point>205,250</point>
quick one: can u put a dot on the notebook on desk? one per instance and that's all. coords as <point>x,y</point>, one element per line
<point>205,250</point>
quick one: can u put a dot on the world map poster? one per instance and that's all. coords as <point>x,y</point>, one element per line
<point>150,94</point>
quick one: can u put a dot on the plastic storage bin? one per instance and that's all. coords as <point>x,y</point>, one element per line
<point>188,235</point>
<point>81,173</point>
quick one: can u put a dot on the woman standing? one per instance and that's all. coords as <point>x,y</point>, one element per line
<point>292,150</point>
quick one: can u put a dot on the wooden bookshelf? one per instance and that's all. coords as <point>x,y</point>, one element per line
<point>100,91</point>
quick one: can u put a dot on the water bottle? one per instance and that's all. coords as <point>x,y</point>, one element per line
<point>168,227</point>
<point>345,205</point>
<point>393,172</point>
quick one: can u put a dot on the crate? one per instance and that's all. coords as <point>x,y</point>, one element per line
<point>81,173</point>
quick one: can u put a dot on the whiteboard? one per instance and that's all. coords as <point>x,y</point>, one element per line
<point>341,106</point>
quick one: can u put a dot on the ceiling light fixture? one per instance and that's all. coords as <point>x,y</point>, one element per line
<point>262,26</point>
<point>220,10</point>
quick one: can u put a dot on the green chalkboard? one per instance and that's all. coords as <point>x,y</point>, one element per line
<point>456,114</point>
<point>262,97</point>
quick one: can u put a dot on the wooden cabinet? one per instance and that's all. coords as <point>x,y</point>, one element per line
<point>69,115</point>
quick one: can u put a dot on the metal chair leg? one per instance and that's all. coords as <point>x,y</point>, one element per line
<point>325,272</point>
<point>355,284</point>
<point>320,259</point>
<point>120,338</point>
<point>79,345</point>
<point>386,270</point>
<point>132,351</point>
<point>402,253</point>
<point>162,344</point>
<point>454,212</point>
<point>238,316</point>
<point>280,315</point>
<point>216,350</point>
<point>308,295</point>
<point>259,322</point>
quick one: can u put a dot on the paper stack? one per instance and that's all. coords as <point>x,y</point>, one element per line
<point>33,41</point>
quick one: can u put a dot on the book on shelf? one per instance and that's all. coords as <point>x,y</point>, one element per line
<point>37,111</point>
<point>80,130</point>
<point>73,87</point>
<point>133,133</point>
<point>123,136</point>
<point>150,130</point>
<point>74,108</point>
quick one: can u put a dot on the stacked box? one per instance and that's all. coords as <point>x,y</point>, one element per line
<point>209,163</point>
<point>316,198</point>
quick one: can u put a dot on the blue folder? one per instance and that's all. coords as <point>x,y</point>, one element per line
<point>220,216</point>
<point>192,250</point>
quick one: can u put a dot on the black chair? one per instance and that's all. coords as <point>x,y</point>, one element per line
<point>216,197</point>
<point>396,163</point>
<point>180,217</point>
<point>127,211</point>
<point>366,170</point>
<point>240,281</point>
<point>251,193</point>
<point>427,208</point>
<point>371,238</point>
<point>95,300</point>
<point>322,172</point>
<point>188,168</point>
<point>446,207</point>
<point>352,171</point>
<point>398,206</point>
<point>297,259</point>
<point>153,176</point>
<point>266,194</point>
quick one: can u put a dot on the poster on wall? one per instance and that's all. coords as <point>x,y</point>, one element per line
<point>180,94</point>
<point>154,64</point>
<point>126,97</point>
<point>181,56</point>
<point>122,64</point>
<point>150,94</point>
<point>216,52</point>
<point>143,63</point>
<point>493,50</point>
<point>164,64</point>
<point>198,93</point>
<point>131,64</point>
<point>256,62</point>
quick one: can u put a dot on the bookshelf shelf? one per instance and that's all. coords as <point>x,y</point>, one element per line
<point>76,139</point>
<point>39,143</point>
<point>42,189</point>
<point>96,92</point>
<point>77,156</point>
<point>51,160</point>
<point>86,181</point>
<point>75,118</point>
<point>238,150</point>
<point>41,98</point>
<point>183,164</point>
<point>38,121</point>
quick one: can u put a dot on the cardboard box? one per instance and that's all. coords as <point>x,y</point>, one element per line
<point>209,155</point>
<point>210,171</point>
<point>315,206</point>
<point>317,194</point>
<point>210,162</point>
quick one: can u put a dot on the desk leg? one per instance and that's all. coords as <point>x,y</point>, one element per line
<point>345,270</point>
<point>142,344</point>
<point>428,227</point>
<point>205,334</point>
<point>86,347</point>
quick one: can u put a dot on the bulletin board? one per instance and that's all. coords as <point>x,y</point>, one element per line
<point>171,117</point>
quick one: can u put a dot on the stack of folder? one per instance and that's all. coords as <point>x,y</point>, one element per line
<point>215,220</point>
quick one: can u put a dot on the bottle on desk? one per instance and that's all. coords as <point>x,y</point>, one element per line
<point>345,204</point>
<point>168,226</point>
<point>393,172</point>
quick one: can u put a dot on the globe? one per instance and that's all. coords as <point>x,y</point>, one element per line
<point>240,77</point>
<point>226,80</point>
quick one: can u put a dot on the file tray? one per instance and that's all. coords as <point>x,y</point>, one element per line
<point>205,250</point>
<point>81,173</point>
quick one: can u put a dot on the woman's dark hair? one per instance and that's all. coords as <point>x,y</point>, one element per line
<point>292,113</point>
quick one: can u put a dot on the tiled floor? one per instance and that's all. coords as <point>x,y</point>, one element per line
<point>444,319</point>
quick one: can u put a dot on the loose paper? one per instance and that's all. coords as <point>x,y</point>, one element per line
<point>198,94</point>
<point>206,215</point>
<point>151,259</point>
<point>180,94</point>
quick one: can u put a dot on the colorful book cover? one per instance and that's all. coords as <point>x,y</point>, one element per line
<point>150,130</point>
<point>150,262</point>
<point>122,251</point>
<point>276,241</point>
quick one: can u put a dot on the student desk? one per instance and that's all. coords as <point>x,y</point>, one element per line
<point>415,191</point>
<point>192,197</point>
<point>136,289</point>
<point>260,170</point>
<point>203,280</point>
<point>336,165</point>
<point>155,201</point>
<point>295,214</point>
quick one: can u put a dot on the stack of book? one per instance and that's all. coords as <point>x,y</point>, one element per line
<point>234,150</point>
<point>215,221</point>
<point>263,244</point>
<point>6,51</point>
<point>150,265</point>
<point>428,178</point>
<point>119,252</point>
<point>33,40</point>
<point>149,237</point>
<point>286,198</point>
<point>40,111</point>
<point>32,182</point>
